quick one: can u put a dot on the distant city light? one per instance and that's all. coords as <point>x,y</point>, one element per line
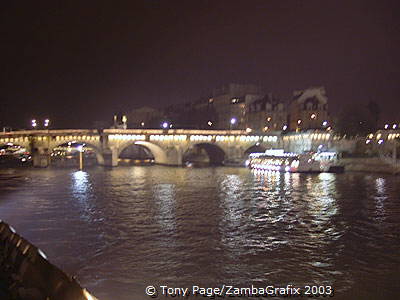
<point>266,128</point>
<point>248,130</point>
<point>324,123</point>
<point>299,122</point>
<point>284,127</point>
<point>34,124</point>
<point>368,141</point>
<point>46,123</point>
<point>233,121</point>
<point>269,119</point>
<point>394,126</point>
<point>209,123</point>
<point>386,126</point>
<point>165,125</point>
<point>313,116</point>
<point>142,124</point>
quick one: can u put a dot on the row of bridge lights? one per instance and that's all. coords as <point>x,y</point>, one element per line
<point>46,123</point>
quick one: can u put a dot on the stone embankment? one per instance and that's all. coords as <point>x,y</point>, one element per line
<point>26,274</point>
<point>370,164</point>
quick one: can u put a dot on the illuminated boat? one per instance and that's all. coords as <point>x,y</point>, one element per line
<point>280,161</point>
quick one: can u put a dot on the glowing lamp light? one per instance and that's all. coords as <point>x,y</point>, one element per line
<point>233,121</point>
<point>386,126</point>
<point>269,119</point>
<point>313,116</point>
<point>46,123</point>
<point>248,130</point>
<point>209,123</point>
<point>142,124</point>
<point>284,127</point>
<point>299,122</point>
<point>165,125</point>
<point>34,124</point>
<point>394,126</point>
<point>324,123</point>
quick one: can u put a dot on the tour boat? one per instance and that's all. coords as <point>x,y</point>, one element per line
<point>280,161</point>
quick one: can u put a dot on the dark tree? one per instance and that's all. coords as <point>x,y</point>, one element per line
<point>375,112</point>
<point>355,120</point>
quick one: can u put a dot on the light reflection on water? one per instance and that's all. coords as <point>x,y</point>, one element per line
<point>122,229</point>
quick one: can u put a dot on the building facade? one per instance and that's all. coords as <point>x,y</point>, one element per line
<point>230,102</point>
<point>309,110</point>
<point>267,114</point>
<point>144,117</point>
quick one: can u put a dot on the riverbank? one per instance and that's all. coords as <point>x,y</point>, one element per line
<point>369,164</point>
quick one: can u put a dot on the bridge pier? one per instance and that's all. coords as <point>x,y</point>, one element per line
<point>110,157</point>
<point>40,158</point>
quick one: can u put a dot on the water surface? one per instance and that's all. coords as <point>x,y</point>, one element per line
<point>120,230</point>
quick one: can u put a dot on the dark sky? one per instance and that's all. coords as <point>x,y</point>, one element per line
<point>80,61</point>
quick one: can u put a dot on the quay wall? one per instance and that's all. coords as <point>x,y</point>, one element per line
<point>369,164</point>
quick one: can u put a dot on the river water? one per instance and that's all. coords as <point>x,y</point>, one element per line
<point>120,230</point>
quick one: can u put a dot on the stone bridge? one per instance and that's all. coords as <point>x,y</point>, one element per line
<point>167,146</point>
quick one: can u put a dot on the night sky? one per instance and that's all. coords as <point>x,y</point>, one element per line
<point>81,61</point>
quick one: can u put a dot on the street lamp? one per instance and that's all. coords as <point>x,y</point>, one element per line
<point>80,149</point>
<point>46,123</point>
<point>233,122</point>
<point>34,124</point>
<point>165,125</point>
<point>209,123</point>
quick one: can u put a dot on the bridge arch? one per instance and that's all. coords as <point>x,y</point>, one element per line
<point>216,155</point>
<point>161,156</point>
<point>254,149</point>
<point>97,151</point>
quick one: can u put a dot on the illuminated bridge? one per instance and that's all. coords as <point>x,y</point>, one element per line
<point>167,146</point>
